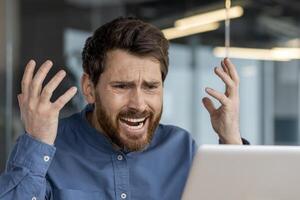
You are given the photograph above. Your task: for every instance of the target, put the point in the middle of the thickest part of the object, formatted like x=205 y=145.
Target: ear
x=88 y=88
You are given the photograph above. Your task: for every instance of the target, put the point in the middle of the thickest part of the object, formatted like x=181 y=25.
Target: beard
x=111 y=129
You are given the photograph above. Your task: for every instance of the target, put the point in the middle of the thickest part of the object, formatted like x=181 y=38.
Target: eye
x=151 y=86
x=121 y=86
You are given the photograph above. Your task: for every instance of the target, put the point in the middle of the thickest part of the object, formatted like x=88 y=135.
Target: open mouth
x=133 y=123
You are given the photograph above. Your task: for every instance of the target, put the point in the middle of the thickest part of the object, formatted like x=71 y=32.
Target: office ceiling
x=265 y=23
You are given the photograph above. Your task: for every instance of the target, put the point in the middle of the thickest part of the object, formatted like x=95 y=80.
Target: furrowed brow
x=152 y=83
x=129 y=83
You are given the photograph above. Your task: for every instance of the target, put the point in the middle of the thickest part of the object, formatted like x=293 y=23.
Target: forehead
x=123 y=65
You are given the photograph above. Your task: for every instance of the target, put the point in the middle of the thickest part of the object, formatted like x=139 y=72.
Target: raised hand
x=225 y=119
x=38 y=113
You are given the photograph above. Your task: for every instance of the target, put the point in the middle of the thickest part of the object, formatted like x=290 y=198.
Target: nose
x=137 y=100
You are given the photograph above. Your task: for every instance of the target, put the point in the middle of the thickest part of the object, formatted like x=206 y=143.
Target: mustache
x=134 y=113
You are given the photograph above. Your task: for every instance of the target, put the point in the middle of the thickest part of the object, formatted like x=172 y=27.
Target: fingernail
x=74 y=88
x=62 y=72
x=208 y=89
x=31 y=62
x=218 y=69
x=49 y=62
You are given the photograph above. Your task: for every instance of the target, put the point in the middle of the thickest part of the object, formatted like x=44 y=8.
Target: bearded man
x=115 y=148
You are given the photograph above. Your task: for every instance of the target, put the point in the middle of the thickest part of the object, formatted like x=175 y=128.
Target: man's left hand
x=225 y=119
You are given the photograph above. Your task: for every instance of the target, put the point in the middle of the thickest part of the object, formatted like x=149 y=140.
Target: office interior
x=264 y=45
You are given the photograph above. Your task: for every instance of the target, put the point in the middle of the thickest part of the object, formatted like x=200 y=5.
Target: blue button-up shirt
x=84 y=165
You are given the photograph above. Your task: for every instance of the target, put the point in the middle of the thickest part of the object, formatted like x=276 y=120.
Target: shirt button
x=34 y=198
x=46 y=158
x=123 y=195
x=120 y=157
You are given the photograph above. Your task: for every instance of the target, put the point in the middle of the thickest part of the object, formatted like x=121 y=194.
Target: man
x=115 y=148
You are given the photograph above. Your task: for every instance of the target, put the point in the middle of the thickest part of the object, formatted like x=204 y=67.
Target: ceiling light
x=175 y=32
x=209 y=17
x=275 y=54
x=288 y=53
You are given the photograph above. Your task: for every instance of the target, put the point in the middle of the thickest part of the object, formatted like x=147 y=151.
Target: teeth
x=134 y=120
x=134 y=127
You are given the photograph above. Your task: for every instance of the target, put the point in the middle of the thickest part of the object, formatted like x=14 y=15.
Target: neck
x=92 y=119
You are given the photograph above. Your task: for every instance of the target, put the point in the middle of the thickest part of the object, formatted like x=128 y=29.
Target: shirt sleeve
x=245 y=142
x=26 y=169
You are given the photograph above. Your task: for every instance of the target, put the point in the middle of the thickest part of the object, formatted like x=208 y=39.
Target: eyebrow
x=155 y=83
x=151 y=83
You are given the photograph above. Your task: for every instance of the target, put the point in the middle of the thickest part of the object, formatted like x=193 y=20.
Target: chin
x=134 y=144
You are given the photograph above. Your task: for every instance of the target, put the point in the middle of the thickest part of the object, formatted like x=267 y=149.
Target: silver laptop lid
x=230 y=172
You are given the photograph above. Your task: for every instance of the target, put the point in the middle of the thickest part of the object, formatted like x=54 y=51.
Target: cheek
x=114 y=103
x=156 y=102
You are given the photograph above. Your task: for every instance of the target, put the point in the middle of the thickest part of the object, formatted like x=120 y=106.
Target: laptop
x=231 y=172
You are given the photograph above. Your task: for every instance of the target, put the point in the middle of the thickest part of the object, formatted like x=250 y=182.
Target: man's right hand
x=38 y=113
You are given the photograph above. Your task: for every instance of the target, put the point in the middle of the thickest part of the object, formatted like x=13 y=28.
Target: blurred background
x=265 y=35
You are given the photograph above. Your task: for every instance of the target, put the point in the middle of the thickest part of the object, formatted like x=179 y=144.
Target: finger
x=20 y=100
x=52 y=85
x=232 y=70
x=65 y=98
x=39 y=77
x=208 y=104
x=27 y=77
x=224 y=67
x=230 y=85
x=224 y=76
x=217 y=95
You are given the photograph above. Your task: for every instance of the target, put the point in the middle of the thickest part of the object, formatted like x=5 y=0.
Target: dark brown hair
x=129 y=34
